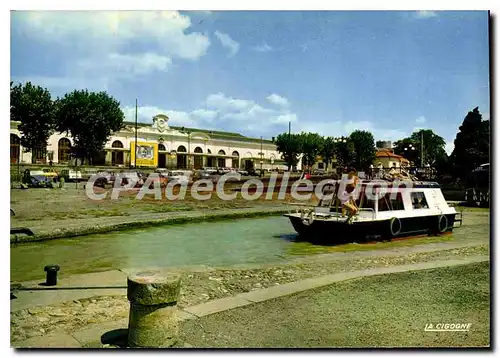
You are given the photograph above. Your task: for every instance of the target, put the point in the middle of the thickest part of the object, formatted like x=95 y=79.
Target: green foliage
x=433 y=149
x=408 y=148
x=433 y=145
x=328 y=150
x=363 y=144
x=289 y=145
x=472 y=144
x=311 y=144
x=33 y=107
x=90 y=118
x=344 y=153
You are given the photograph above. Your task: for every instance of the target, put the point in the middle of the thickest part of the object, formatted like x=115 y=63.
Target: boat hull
x=339 y=232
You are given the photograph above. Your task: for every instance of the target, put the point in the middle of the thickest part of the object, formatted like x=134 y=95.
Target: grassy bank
x=382 y=311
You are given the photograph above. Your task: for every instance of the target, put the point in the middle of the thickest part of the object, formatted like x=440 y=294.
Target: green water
x=220 y=243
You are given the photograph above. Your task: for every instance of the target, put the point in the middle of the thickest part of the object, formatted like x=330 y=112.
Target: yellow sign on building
x=146 y=154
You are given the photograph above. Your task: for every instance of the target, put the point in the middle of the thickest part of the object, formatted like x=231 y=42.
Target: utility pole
x=261 y=156
x=289 y=136
x=421 y=148
x=135 y=147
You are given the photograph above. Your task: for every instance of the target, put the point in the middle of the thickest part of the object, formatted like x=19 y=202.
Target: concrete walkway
x=90 y=336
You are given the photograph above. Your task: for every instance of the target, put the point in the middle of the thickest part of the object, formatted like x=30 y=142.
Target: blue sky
x=252 y=72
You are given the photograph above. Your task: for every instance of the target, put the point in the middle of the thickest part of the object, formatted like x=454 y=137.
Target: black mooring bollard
x=51 y=274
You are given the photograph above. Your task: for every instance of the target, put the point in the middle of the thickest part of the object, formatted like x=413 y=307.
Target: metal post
x=135 y=147
x=261 y=156
x=189 y=151
x=421 y=149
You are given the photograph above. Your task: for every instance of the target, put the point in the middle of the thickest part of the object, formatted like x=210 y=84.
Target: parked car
x=203 y=174
x=51 y=173
x=179 y=177
x=136 y=176
x=210 y=170
x=40 y=181
x=243 y=172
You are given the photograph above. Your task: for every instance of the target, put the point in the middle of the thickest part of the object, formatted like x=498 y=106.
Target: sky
x=253 y=72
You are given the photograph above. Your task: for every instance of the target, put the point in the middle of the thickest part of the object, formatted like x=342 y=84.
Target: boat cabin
x=383 y=200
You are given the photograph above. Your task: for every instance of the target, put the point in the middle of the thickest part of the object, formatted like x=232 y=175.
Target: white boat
x=401 y=211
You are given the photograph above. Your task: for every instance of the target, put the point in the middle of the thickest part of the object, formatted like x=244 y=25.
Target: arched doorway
x=63 y=150
x=198 y=159
x=248 y=162
x=15 y=148
x=221 y=162
x=162 y=156
x=211 y=163
x=181 y=157
x=236 y=161
x=117 y=155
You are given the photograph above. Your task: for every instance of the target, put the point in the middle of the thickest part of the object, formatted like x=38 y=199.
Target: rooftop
x=216 y=134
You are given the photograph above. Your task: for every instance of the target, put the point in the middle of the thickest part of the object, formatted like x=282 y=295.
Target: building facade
x=175 y=148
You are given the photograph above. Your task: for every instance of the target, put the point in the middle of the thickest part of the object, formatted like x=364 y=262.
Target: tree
x=472 y=144
x=90 y=118
x=289 y=145
x=433 y=146
x=33 y=107
x=328 y=150
x=409 y=149
x=344 y=152
x=311 y=144
x=364 y=149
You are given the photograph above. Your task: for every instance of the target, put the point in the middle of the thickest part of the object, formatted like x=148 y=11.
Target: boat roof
x=415 y=184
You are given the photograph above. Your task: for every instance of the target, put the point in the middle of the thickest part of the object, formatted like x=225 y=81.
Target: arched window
x=221 y=152
x=161 y=147
x=117 y=156
x=235 y=161
x=182 y=149
x=117 y=144
x=15 y=148
x=63 y=150
x=198 y=150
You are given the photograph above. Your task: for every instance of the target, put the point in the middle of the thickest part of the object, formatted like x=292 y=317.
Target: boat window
x=384 y=203
x=397 y=202
x=418 y=200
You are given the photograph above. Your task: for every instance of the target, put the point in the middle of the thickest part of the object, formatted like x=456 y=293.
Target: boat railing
x=297 y=208
x=367 y=209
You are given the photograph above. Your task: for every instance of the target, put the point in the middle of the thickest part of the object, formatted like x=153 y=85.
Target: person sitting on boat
x=347 y=200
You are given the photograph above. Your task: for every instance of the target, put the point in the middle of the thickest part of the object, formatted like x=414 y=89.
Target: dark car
x=40 y=181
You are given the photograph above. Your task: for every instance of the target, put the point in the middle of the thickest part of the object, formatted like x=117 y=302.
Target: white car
x=179 y=176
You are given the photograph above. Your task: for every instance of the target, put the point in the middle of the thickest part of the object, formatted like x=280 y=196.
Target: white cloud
x=128 y=64
x=449 y=147
x=228 y=42
x=112 y=29
x=425 y=14
x=420 y=120
x=222 y=102
x=263 y=48
x=223 y=112
x=204 y=114
x=284 y=118
x=97 y=44
x=278 y=100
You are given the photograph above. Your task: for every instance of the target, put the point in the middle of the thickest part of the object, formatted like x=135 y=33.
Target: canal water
x=220 y=243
